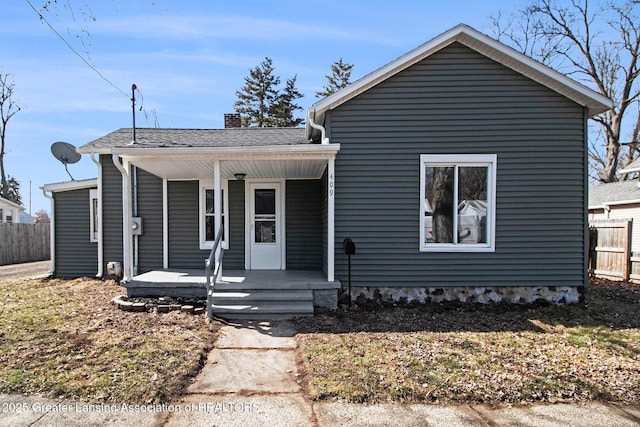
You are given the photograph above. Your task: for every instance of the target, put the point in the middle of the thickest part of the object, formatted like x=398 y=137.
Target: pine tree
x=11 y=190
x=256 y=97
x=339 y=78
x=262 y=104
x=285 y=106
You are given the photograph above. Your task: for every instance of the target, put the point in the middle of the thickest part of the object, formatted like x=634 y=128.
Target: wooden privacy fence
x=610 y=248
x=24 y=243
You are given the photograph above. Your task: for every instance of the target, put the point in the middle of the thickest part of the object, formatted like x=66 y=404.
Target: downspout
x=100 y=271
x=52 y=232
x=323 y=139
x=134 y=174
x=126 y=217
x=331 y=188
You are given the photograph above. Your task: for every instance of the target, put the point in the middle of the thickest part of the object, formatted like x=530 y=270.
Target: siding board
x=184 y=238
x=111 y=212
x=150 y=210
x=460 y=102
x=234 y=256
x=304 y=224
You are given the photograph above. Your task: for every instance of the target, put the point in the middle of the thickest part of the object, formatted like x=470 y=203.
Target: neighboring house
x=611 y=206
x=459 y=171
x=10 y=212
x=25 y=218
x=617 y=200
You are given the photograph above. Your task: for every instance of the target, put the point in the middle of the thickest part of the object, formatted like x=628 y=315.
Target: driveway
x=24 y=271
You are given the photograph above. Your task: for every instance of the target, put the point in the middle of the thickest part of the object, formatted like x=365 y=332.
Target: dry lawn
x=478 y=354
x=64 y=339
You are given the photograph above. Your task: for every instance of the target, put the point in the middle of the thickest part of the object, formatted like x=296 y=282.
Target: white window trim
x=207 y=184
x=489 y=160
x=93 y=231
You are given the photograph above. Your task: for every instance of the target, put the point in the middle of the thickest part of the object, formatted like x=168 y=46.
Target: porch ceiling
x=202 y=168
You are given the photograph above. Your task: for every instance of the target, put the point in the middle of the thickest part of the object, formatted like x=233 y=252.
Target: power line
x=43 y=19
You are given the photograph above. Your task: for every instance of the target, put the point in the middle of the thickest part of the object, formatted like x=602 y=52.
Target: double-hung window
x=457 y=206
x=207 y=215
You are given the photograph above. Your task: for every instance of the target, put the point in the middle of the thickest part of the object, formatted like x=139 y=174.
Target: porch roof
x=167 y=138
x=259 y=153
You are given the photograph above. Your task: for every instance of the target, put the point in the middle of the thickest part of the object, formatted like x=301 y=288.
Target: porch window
x=457 y=203
x=207 y=216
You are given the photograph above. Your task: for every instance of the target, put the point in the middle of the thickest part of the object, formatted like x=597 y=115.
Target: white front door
x=265 y=226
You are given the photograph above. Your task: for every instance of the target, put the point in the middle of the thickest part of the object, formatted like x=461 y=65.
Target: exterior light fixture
x=240 y=176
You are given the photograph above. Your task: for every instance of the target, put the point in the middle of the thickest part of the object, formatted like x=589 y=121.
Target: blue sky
x=187 y=58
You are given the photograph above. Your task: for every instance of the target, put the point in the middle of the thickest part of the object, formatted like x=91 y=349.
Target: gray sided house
x=459 y=171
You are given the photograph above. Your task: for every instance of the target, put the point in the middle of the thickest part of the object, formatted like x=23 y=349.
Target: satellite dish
x=66 y=153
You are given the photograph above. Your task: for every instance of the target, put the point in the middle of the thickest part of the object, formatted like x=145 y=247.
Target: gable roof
x=147 y=138
x=615 y=193
x=483 y=44
x=10 y=203
x=634 y=166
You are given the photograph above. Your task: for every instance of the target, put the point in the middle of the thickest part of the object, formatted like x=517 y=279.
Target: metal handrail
x=212 y=258
x=216 y=262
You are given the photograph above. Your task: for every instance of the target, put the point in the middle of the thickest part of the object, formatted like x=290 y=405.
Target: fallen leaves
x=478 y=354
x=64 y=338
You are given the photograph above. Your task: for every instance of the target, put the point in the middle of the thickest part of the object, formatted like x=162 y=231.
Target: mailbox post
x=349 y=249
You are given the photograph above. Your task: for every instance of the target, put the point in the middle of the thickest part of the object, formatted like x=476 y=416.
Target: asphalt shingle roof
x=163 y=137
x=614 y=192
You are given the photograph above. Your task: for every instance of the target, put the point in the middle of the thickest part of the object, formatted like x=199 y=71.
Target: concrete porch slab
x=247 y=371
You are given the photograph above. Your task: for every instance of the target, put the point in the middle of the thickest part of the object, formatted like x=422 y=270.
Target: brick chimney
x=232 y=120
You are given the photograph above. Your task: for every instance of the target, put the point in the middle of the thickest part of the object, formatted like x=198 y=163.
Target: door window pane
x=265 y=202
x=265 y=231
x=265 y=215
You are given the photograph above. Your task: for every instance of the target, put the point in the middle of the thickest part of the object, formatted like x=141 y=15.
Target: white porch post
x=165 y=223
x=331 y=194
x=217 y=202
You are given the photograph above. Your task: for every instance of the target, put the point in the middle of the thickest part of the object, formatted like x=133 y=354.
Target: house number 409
x=331 y=185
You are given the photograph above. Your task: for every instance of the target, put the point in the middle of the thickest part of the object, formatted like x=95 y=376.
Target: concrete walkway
x=251 y=379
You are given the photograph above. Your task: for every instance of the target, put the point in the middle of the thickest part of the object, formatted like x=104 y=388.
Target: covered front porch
x=252 y=294
x=267 y=195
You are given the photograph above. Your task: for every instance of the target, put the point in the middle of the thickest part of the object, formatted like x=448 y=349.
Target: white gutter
x=323 y=139
x=126 y=217
x=100 y=271
x=223 y=153
x=616 y=203
x=52 y=232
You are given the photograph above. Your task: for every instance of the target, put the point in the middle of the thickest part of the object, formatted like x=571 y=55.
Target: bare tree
x=8 y=108
x=599 y=45
x=42 y=217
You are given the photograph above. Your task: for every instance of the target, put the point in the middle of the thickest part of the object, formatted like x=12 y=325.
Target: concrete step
x=273 y=311
x=262 y=295
x=261 y=304
x=271 y=286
